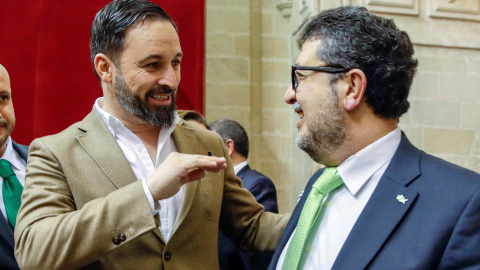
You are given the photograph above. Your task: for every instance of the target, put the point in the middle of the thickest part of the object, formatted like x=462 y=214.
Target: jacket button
x=168 y=256
x=123 y=237
x=116 y=241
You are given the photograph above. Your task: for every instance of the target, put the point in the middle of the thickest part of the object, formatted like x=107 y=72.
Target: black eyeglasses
x=323 y=69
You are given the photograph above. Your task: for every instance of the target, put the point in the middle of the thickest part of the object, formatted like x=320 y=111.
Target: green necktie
x=11 y=190
x=328 y=181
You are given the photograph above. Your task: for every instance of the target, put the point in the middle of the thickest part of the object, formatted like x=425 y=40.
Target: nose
x=290 y=96
x=169 y=78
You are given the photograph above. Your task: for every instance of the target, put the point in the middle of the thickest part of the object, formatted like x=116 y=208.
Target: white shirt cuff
x=154 y=205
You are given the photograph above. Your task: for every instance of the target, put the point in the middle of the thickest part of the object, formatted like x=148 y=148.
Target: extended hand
x=179 y=169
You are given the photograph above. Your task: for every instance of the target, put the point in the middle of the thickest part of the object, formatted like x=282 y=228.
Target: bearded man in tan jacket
x=131 y=186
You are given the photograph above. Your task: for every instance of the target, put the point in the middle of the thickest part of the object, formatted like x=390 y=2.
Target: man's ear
x=357 y=83
x=104 y=67
x=231 y=146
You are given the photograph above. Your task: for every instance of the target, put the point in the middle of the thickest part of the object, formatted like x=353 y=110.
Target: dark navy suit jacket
x=7 y=242
x=437 y=228
x=265 y=193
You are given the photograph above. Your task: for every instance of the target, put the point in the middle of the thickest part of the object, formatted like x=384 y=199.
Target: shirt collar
x=357 y=169
x=10 y=154
x=115 y=126
x=240 y=166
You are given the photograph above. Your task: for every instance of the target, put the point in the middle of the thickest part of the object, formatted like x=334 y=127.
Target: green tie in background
x=11 y=190
x=328 y=181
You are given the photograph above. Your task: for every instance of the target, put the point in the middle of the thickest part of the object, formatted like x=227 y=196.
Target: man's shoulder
x=250 y=173
x=70 y=134
x=438 y=168
x=409 y=161
x=202 y=134
x=253 y=178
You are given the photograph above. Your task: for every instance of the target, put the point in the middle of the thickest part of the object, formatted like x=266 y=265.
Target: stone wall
x=250 y=45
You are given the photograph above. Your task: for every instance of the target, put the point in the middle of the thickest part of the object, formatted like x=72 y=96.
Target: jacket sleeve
x=463 y=249
x=243 y=219
x=53 y=233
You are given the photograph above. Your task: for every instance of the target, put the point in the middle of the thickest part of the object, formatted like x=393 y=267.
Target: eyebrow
x=157 y=56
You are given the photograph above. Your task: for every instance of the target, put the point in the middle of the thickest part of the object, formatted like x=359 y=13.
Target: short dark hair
x=229 y=129
x=351 y=37
x=111 y=23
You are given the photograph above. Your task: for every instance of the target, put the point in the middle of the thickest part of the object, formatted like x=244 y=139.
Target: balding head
x=7 y=115
x=4 y=74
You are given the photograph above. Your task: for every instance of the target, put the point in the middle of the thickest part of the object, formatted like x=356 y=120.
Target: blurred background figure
x=236 y=140
x=193 y=117
x=12 y=173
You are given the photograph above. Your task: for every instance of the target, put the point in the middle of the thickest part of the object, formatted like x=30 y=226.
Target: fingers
x=179 y=169
x=193 y=175
x=209 y=163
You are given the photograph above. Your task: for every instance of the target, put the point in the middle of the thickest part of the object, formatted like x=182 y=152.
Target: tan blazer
x=81 y=193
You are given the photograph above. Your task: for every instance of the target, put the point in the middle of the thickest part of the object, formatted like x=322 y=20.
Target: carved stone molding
x=455 y=9
x=285 y=7
x=407 y=7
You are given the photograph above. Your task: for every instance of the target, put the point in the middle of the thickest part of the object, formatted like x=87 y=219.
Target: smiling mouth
x=161 y=97
x=298 y=110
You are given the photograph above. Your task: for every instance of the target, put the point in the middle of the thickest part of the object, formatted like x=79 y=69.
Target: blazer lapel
x=292 y=223
x=22 y=150
x=242 y=172
x=186 y=142
x=383 y=211
x=6 y=232
x=99 y=143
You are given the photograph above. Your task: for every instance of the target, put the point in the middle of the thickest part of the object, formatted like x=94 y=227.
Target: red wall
x=44 y=44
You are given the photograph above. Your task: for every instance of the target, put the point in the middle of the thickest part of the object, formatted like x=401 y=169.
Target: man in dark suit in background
x=12 y=173
x=380 y=203
x=236 y=140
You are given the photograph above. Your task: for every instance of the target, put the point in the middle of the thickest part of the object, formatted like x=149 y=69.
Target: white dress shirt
x=142 y=165
x=18 y=166
x=342 y=207
x=240 y=166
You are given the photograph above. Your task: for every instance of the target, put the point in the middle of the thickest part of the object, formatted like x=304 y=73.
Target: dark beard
x=159 y=116
x=326 y=133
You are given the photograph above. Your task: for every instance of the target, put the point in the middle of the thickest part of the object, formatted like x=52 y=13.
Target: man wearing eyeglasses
x=380 y=203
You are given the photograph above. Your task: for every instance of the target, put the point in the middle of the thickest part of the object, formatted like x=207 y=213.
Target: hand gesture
x=179 y=169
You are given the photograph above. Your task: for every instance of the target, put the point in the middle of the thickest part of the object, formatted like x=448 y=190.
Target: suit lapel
x=383 y=211
x=186 y=142
x=5 y=231
x=22 y=150
x=292 y=223
x=243 y=171
x=99 y=143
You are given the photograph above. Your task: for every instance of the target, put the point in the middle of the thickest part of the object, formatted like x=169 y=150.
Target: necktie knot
x=328 y=181
x=6 y=169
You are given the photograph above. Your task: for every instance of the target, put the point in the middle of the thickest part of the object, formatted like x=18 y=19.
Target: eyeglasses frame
x=313 y=68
